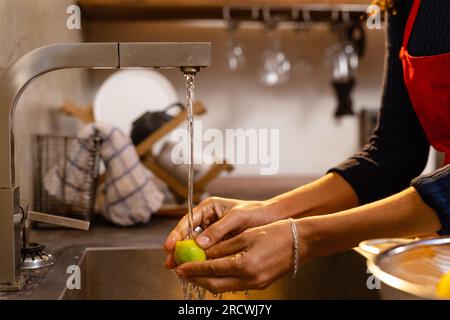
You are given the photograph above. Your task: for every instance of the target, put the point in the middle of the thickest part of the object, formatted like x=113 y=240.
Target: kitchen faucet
x=188 y=56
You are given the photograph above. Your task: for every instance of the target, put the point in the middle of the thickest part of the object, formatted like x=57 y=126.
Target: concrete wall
x=25 y=25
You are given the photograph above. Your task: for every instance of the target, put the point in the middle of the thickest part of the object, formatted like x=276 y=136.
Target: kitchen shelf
x=211 y=9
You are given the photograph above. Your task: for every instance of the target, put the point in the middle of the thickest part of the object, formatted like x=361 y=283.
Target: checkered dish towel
x=130 y=193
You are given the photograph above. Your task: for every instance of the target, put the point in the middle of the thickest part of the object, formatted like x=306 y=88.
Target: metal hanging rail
x=312 y=12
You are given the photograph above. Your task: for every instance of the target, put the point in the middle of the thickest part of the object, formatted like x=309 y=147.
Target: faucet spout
x=190 y=70
x=164 y=54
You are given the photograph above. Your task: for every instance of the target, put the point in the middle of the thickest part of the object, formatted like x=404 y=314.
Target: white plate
x=127 y=94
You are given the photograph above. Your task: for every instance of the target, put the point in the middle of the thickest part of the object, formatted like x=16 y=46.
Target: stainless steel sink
x=139 y=273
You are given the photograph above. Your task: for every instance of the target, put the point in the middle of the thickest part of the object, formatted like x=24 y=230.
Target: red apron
x=428 y=82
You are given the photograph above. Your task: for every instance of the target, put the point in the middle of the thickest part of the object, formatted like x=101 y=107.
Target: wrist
x=282 y=207
x=278 y=208
x=307 y=238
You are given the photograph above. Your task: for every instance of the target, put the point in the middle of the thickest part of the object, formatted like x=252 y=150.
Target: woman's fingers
x=170 y=261
x=222 y=249
x=217 y=285
x=227 y=247
x=222 y=267
x=202 y=212
x=178 y=233
x=215 y=232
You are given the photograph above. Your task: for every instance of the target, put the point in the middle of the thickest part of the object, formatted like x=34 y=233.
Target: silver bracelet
x=295 y=247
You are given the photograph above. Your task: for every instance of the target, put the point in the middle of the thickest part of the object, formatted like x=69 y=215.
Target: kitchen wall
x=25 y=25
x=311 y=139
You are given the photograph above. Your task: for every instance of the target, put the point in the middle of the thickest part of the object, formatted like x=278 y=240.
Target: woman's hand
x=219 y=217
x=252 y=260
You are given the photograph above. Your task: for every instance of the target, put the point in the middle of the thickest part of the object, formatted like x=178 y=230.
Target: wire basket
x=54 y=153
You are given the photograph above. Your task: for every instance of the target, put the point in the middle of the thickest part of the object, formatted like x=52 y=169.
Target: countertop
x=104 y=234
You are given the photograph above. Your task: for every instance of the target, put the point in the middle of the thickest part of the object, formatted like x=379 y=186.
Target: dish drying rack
x=145 y=151
x=52 y=151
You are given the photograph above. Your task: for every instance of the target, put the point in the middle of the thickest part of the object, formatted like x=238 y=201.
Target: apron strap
x=410 y=23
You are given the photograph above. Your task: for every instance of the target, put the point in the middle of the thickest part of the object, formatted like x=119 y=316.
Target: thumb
x=216 y=231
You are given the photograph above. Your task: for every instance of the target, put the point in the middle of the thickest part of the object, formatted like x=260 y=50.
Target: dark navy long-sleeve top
x=398 y=150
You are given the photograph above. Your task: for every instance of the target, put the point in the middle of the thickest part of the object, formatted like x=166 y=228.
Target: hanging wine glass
x=343 y=55
x=276 y=65
x=235 y=52
x=303 y=63
x=343 y=59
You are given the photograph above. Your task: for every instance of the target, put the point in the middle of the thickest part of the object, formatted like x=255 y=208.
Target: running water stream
x=191 y=291
x=190 y=85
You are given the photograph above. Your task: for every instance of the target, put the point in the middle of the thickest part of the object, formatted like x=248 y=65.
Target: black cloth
x=398 y=149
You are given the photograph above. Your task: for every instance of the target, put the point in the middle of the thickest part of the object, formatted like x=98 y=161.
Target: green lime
x=188 y=251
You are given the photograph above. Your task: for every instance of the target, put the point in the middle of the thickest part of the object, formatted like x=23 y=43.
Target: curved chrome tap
x=14 y=80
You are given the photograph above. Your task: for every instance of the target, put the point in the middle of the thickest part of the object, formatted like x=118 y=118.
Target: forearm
x=401 y=215
x=329 y=194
